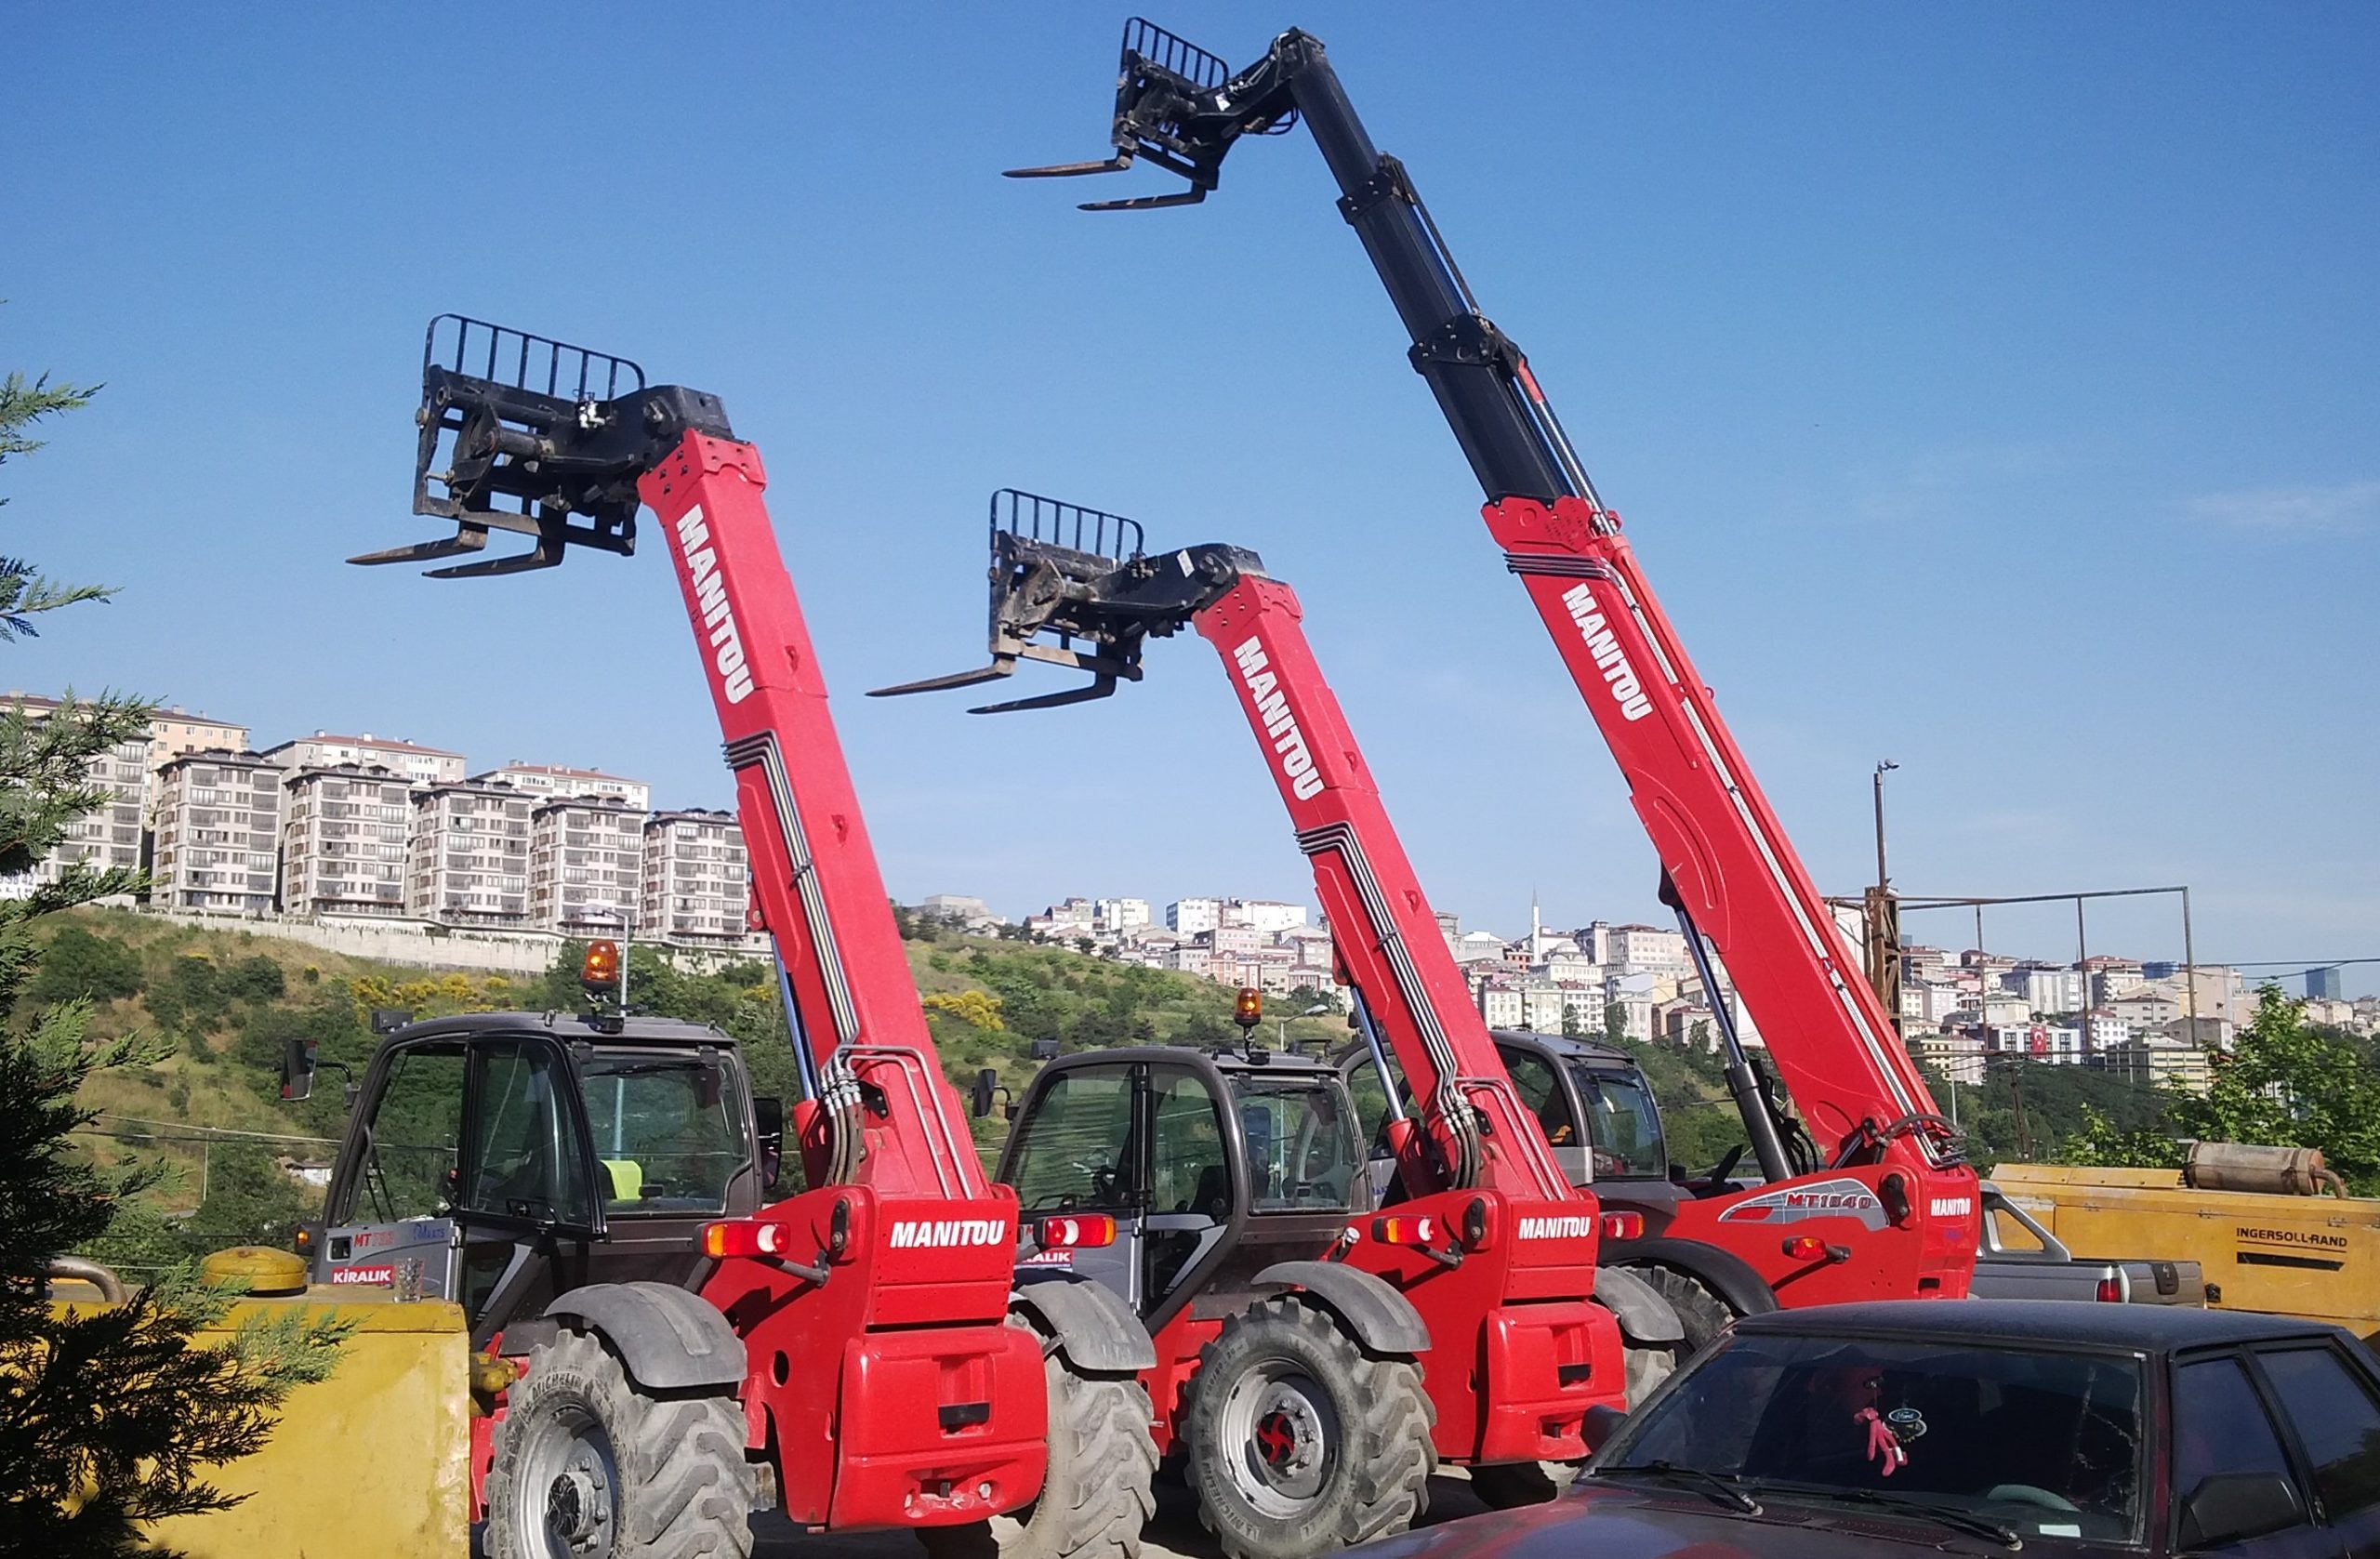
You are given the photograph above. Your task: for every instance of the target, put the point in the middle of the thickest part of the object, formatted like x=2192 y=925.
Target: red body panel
x=1508 y=1323
x=813 y=870
x=1839 y=1054
x=849 y=1379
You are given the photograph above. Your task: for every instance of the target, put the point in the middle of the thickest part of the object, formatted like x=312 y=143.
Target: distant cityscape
x=367 y=830
x=2143 y=1021
x=336 y=828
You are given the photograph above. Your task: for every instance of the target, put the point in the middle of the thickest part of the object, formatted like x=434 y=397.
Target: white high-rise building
x=1189 y=916
x=107 y=838
x=419 y=765
x=218 y=832
x=586 y=865
x=1118 y=916
x=343 y=841
x=549 y=781
x=697 y=880
x=469 y=862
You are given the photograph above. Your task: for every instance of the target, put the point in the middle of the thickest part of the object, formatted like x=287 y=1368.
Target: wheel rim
x=569 y=1487
x=1280 y=1439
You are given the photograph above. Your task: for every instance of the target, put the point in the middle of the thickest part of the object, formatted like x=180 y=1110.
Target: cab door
x=1077 y=1148
x=525 y=1200
x=388 y=1220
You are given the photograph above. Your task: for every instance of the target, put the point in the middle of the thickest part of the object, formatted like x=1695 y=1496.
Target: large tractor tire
x=1700 y=1311
x=1099 y=1491
x=1301 y=1444
x=586 y=1467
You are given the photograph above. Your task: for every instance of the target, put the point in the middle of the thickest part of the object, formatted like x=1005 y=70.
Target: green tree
x=79 y=966
x=1615 y=1024
x=2283 y=1083
x=110 y=1416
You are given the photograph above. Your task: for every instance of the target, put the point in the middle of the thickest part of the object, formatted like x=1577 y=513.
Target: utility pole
x=1882 y=937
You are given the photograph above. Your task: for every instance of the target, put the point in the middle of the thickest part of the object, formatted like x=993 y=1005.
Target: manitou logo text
x=710 y=596
x=1557 y=1228
x=918 y=1234
x=1610 y=658
x=1952 y=1206
x=1280 y=728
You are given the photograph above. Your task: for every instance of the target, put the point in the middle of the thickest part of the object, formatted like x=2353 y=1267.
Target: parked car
x=1988 y=1426
x=2020 y=1260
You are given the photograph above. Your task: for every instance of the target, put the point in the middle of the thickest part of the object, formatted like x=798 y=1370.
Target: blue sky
x=1991 y=389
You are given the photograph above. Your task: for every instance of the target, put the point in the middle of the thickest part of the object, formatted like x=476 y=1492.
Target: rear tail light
x=1405 y=1229
x=1809 y=1247
x=1623 y=1226
x=1075 y=1232
x=2110 y=1290
x=746 y=1238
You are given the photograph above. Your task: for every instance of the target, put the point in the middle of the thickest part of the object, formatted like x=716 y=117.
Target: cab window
x=665 y=1136
x=411 y=1145
x=1301 y=1145
x=525 y=1160
x=1623 y=1123
x=1540 y=1089
x=1189 y=1172
x=1070 y=1145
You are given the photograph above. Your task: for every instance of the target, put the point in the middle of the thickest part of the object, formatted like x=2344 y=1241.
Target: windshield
x=665 y=1133
x=1302 y=1154
x=1623 y=1124
x=2042 y=1444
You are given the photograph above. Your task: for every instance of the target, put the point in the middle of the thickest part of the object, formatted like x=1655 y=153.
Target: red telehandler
x=1480 y=1229
x=1883 y=1203
x=600 y=1191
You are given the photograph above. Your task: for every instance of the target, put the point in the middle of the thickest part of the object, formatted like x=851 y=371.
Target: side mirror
x=1044 y=1049
x=987 y=1083
x=768 y=1137
x=297 y=1069
x=2233 y=1507
x=388 y=1019
x=1599 y=1425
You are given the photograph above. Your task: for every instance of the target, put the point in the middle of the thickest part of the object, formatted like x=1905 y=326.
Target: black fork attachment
x=1181 y=108
x=1054 y=578
x=520 y=433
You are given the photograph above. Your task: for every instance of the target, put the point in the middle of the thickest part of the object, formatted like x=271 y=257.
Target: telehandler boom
x=1882 y=1203
x=1482 y=1231
x=683 y=1320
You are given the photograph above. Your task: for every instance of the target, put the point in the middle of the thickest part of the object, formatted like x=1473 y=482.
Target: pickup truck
x=2020 y=1260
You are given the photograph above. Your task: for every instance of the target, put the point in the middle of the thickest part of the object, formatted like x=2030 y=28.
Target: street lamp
x=1882 y=769
x=1281 y=1024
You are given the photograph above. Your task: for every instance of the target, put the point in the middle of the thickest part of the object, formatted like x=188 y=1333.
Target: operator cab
x=1568 y=1083
x=499 y=1158
x=1160 y=1173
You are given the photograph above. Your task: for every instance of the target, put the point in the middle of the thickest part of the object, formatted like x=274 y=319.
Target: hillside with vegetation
x=228 y=1000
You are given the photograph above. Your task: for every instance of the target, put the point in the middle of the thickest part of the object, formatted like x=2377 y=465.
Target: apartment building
x=586 y=865
x=173 y=732
x=696 y=883
x=218 y=832
x=419 y=765
x=1122 y=915
x=1189 y=916
x=343 y=840
x=549 y=781
x=110 y=837
x=467 y=862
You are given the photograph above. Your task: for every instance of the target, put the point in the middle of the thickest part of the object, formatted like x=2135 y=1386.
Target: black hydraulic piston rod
x=1743 y=1078
x=1479 y=377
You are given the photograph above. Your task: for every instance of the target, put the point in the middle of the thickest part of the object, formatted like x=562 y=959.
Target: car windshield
x=665 y=1133
x=1623 y=1125
x=1302 y=1155
x=2042 y=1444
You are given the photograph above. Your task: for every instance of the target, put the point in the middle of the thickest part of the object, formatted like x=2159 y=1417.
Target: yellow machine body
x=2314 y=1257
